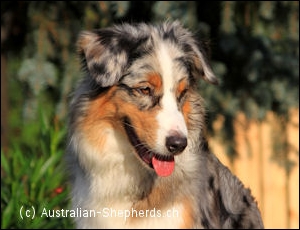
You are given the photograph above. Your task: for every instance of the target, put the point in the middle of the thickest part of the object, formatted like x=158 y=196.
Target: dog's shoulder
x=233 y=205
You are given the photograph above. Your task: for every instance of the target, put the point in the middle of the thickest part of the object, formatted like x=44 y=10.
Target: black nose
x=176 y=144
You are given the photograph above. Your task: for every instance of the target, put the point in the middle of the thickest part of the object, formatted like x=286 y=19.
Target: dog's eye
x=183 y=93
x=146 y=91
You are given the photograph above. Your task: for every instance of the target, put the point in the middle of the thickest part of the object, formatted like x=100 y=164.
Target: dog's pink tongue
x=163 y=167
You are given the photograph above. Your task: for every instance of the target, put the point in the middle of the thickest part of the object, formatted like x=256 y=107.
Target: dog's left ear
x=101 y=56
x=200 y=64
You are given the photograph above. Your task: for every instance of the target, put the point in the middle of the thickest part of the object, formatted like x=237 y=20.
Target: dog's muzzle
x=162 y=164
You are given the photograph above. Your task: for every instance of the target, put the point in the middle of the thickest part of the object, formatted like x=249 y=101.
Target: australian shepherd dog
x=137 y=151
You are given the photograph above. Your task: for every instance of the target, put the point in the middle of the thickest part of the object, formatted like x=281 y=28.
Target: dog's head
x=150 y=73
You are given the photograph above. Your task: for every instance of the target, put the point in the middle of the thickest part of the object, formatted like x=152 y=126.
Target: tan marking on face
x=186 y=110
x=183 y=84
x=108 y=111
x=100 y=117
x=186 y=107
x=143 y=122
x=155 y=80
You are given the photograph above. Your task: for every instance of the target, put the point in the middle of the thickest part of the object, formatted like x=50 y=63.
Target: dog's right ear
x=101 y=57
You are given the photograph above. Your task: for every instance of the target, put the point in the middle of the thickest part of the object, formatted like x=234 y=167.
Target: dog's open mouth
x=163 y=165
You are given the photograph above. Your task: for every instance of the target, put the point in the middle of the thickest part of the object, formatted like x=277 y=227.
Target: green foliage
x=255 y=54
x=166 y=10
x=35 y=177
x=259 y=51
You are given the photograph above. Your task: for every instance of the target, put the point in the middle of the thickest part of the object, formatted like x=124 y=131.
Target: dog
x=137 y=152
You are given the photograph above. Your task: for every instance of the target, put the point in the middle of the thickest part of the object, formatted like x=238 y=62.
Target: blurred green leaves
x=254 y=53
x=32 y=177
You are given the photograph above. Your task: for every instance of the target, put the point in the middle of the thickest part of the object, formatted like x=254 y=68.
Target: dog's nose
x=176 y=143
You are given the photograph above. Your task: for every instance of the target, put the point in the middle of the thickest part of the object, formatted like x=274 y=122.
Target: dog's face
x=147 y=75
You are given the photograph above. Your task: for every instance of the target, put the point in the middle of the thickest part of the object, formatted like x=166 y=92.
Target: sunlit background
x=252 y=116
